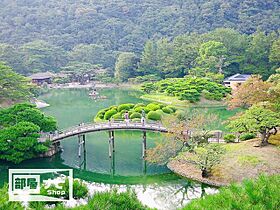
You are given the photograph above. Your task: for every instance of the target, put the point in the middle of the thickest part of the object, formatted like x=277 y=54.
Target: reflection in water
x=171 y=195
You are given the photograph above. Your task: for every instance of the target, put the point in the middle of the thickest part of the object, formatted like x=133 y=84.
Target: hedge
x=109 y=114
x=123 y=107
x=247 y=136
x=135 y=115
x=167 y=110
x=229 y=138
x=153 y=115
x=153 y=111
x=153 y=106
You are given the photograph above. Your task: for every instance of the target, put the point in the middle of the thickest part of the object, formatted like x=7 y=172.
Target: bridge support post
x=79 y=145
x=84 y=143
x=113 y=140
x=144 y=144
x=110 y=144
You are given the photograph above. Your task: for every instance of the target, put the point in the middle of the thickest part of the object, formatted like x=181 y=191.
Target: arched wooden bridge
x=106 y=126
x=111 y=126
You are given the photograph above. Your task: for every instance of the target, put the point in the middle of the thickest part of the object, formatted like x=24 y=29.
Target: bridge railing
x=108 y=124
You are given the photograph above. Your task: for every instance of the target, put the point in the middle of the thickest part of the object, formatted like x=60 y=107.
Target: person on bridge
x=143 y=117
x=126 y=117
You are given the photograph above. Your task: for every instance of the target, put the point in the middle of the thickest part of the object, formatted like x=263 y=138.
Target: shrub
x=109 y=114
x=247 y=136
x=171 y=107
x=167 y=110
x=117 y=116
x=139 y=105
x=153 y=115
x=147 y=110
x=160 y=112
x=262 y=193
x=115 y=200
x=191 y=95
x=135 y=115
x=139 y=109
x=229 y=138
x=161 y=105
x=113 y=107
x=153 y=106
x=130 y=105
x=101 y=113
x=123 y=107
x=80 y=190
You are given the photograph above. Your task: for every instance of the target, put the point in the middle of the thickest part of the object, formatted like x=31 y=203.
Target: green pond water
x=155 y=185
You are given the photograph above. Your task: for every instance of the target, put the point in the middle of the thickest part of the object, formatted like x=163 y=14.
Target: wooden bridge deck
x=107 y=126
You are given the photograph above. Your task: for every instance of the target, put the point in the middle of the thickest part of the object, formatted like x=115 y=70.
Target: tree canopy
x=25 y=112
x=165 y=37
x=257 y=119
x=13 y=86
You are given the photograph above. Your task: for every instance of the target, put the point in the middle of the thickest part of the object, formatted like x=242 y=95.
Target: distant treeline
x=125 y=25
x=215 y=54
x=41 y=35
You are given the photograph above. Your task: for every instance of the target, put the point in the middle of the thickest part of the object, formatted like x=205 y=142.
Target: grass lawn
x=241 y=161
x=170 y=100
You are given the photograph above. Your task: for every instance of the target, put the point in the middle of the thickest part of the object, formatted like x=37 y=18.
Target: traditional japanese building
x=235 y=80
x=42 y=77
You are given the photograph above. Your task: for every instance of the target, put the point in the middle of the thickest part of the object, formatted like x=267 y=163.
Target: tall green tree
x=274 y=56
x=13 y=86
x=19 y=142
x=257 y=54
x=25 y=112
x=257 y=119
x=41 y=56
x=185 y=51
x=126 y=66
x=93 y=54
x=212 y=56
x=12 y=57
x=236 y=44
x=149 y=60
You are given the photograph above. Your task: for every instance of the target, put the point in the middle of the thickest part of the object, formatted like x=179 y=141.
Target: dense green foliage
x=247 y=136
x=19 y=142
x=125 y=66
x=124 y=25
x=19 y=132
x=229 y=138
x=13 y=86
x=25 y=112
x=205 y=156
x=41 y=36
x=189 y=88
x=113 y=200
x=215 y=54
x=257 y=119
x=153 y=111
x=101 y=200
x=262 y=193
x=4 y=200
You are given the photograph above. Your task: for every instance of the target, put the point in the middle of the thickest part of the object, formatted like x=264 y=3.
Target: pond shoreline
x=241 y=161
x=183 y=169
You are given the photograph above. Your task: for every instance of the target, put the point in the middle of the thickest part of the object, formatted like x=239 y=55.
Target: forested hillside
x=40 y=35
x=125 y=25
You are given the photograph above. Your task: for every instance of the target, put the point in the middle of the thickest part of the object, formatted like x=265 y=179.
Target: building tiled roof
x=41 y=75
x=237 y=77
